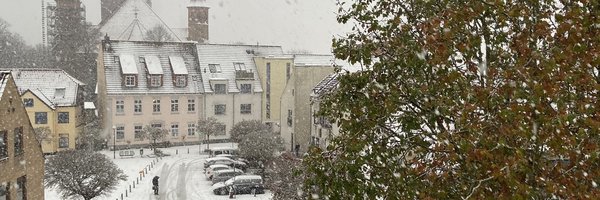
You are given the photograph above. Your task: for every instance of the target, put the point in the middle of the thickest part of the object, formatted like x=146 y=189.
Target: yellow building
x=21 y=158
x=53 y=100
x=288 y=81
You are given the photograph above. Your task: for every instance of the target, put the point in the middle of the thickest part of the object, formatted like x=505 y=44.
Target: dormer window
x=129 y=70
x=142 y=59
x=179 y=70
x=130 y=81
x=214 y=68
x=155 y=71
x=239 y=66
x=220 y=88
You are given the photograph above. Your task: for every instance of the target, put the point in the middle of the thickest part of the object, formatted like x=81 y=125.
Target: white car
x=212 y=161
x=211 y=169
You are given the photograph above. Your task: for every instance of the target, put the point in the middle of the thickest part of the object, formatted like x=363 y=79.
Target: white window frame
x=174 y=105
x=130 y=81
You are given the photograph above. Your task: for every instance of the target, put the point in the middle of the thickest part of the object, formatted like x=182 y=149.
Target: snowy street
x=179 y=169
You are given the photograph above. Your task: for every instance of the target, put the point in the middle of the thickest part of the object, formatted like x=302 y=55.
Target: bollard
x=130 y=187
x=121 y=196
x=126 y=193
x=176 y=151
x=188 y=150
x=146 y=168
x=137 y=180
x=133 y=184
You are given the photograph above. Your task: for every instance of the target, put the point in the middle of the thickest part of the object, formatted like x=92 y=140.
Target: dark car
x=242 y=184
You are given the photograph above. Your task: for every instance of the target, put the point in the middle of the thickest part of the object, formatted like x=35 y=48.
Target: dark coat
x=155 y=180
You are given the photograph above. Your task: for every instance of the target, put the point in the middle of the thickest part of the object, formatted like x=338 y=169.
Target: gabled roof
x=226 y=55
x=131 y=22
x=161 y=50
x=37 y=93
x=45 y=82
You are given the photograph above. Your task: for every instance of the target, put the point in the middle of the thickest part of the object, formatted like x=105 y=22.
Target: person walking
x=155 y=184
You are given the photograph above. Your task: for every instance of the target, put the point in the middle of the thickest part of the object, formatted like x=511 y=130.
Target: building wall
x=321 y=134
x=305 y=78
x=29 y=164
x=129 y=118
x=278 y=81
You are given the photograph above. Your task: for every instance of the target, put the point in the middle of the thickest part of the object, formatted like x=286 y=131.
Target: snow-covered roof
x=132 y=20
x=326 y=85
x=3 y=81
x=162 y=50
x=153 y=65
x=178 y=65
x=128 y=64
x=53 y=86
x=89 y=105
x=225 y=55
x=313 y=60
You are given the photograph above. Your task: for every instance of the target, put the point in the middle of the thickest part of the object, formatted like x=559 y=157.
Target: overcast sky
x=293 y=24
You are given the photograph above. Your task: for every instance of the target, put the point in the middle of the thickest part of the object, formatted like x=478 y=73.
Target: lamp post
x=114 y=142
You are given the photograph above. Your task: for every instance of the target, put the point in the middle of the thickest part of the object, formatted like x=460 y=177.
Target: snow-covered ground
x=181 y=176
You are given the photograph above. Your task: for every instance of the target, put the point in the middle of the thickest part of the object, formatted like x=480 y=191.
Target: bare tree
x=158 y=34
x=154 y=134
x=82 y=173
x=42 y=133
x=208 y=127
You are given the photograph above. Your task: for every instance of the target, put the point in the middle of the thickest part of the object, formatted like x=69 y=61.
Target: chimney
x=108 y=7
x=198 y=21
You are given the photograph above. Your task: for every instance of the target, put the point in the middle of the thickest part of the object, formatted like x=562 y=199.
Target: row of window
x=137 y=105
x=20 y=189
x=220 y=109
x=18 y=142
x=221 y=88
x=174 y=130
x=42 y=117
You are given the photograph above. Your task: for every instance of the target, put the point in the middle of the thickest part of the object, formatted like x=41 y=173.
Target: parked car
x=242 y=184
x=226 y=174
x=216 y=167
x=212 y=161
x=233 y=157
x=222 y=150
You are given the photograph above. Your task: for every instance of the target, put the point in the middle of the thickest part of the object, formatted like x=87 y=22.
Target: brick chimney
x=198 y=21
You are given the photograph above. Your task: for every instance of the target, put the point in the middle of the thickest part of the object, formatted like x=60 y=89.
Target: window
x=28 y=102
x=156 y=125
x=3 y=145
x=288 y=71
x=245 y=88
x=116 y=59
x=156 y=105
x=180 y=81
x=220 y=129
x=191 y=105
x=130 y=81
x=289 y=118
x=138 y=134
x=214 y=68
x=174 y=130
x=59 y=92
x=63 y=141
x=21 y=188
x=19 y=140
x=120 y=106
x=191 y=128
x=63 y=117
x=174 y=105
x=120 y=132
x=155 y=80
x=239 y=66
x=220 y=88
x=4 y=195
x=137 y=106
x=220 y=109
x=245 y=108
x=41 y=118
x=142 y=59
